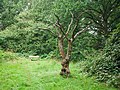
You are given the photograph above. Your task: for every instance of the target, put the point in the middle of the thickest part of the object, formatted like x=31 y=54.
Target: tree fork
x=65 y=63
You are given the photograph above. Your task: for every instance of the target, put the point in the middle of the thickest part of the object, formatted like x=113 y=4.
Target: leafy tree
x=104 y=15
x=8 y=10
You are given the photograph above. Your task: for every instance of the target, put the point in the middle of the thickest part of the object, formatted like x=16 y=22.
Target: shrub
x=27 y=41
x=7 y=56
x=106 y=65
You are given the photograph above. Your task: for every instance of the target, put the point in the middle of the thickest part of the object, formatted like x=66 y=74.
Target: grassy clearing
x=24 y=74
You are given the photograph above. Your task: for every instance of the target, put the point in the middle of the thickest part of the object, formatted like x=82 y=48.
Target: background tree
x=105 y=16
x=8 y=10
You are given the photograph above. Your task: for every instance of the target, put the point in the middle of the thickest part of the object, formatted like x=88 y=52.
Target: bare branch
x=69 y=26
x=60 y=27
x=48 y=29
x=77 y=22
x=79 y=32
x=63 y=32
x=75 y=27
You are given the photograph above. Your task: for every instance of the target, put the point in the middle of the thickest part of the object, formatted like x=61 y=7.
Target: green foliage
x=24 y=37
x=21 y=19
x=7 y=56
x=8 y=10
x=106 y=65
x=104 y=15
x=83 y=46
x=30 y=42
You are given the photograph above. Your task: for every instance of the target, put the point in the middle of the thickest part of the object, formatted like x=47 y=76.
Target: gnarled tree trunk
x=66 y=58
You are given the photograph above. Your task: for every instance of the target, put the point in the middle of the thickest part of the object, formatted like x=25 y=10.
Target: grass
x=24 y=74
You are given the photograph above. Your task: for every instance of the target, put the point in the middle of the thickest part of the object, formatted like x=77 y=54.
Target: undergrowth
x=24 y=74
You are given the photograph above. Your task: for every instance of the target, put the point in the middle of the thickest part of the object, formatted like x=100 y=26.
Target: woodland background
x=97 y=50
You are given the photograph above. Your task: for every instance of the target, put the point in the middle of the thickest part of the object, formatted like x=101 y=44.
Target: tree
x=67 y=27
x=8 y=10
x=104 y=14
x=67 y=35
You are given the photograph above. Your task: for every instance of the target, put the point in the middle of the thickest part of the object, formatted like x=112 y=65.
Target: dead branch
x=78 y=33
x=48 y=29
x=60 y=26
x=69 y=26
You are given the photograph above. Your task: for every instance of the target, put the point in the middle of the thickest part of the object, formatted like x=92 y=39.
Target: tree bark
x=61 y=47
x=65 y=62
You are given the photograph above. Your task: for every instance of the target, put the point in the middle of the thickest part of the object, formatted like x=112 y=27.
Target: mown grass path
x=43 y=75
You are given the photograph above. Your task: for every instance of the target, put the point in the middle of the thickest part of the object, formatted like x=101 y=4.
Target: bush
x=7 y=56
x=25 y=37
x=106 y=65
x=27 y=41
